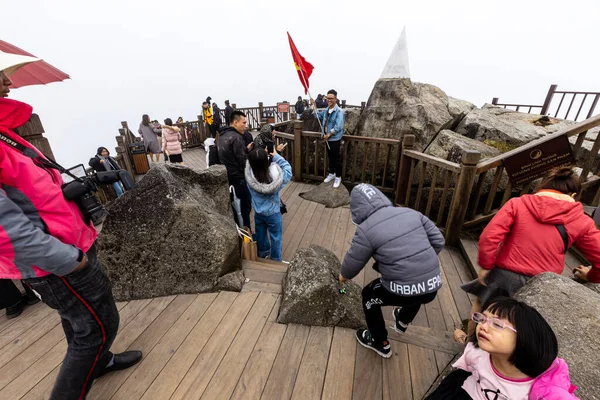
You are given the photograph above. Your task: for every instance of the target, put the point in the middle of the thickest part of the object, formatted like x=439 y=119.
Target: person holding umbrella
x=48 y=244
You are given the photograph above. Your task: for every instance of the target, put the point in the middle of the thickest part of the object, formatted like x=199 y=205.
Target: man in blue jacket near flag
x=332 y=125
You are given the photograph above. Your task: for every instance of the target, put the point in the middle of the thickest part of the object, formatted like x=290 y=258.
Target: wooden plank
x=462 y=301
x=329 y=235
x=200 y=373
x=254 y=377
x=438 y=340
x=339 y=378
x=322 y=228
x=396 y=374
x=292 y=205
x=315 y=222
x=368 y=375
x=449 y=309
x=265 y=265
x=12 y=332
x=32 y=354
x=261 y=287
x=423 y=370
x=47 y=367
x=28 y=338
x=145 y=372
x=463 y=269
x=470 y=251
x=169 y=378
x=429 y=159
x=226 y=377
x=29 y=310
x=282 y=378
x=309 y=383
x=108 y=385
x=259 y=275
x=292 y=237
x=340 y=233
x=437 y=323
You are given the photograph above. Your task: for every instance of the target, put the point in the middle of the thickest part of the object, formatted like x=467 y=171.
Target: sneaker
x=329 y=178
x=366 y=340
x=399 y=327
x=337 y=182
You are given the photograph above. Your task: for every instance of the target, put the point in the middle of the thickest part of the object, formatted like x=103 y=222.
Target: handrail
x=576 y=129
x=356 y=138
x=284 y=135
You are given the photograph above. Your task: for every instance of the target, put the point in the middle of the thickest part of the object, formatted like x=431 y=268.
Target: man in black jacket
x=228 y=111
x=233 y=154
x=217 y=115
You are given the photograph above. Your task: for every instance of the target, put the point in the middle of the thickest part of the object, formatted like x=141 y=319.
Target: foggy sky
x=130 y=57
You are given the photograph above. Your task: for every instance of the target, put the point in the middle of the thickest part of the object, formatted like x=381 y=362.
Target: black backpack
x=213 y=155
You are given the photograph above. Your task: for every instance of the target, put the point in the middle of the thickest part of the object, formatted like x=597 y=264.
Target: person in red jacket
x=530 y=235
x=46 y=241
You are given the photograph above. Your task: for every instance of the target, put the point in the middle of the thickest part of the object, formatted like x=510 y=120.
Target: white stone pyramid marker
x=397 y=65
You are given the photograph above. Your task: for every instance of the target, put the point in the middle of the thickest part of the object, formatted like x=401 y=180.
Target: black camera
x=82 y=190
x=270 y=146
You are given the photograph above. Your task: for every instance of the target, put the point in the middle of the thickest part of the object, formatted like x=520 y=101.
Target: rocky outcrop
x=398 y=107
x=458 y=107
x=500 y=125
x=326 y=194
x=351 y=120
x=174 y=233
x=573 y=311
x=311 y=292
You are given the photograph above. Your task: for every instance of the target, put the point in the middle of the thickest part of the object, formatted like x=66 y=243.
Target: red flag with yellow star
x=303 y=67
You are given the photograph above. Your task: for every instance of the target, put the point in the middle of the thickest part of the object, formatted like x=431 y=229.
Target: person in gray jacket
x=405 y=245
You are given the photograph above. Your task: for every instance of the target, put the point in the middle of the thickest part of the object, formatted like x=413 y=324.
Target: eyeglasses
x=331 y=98
x=495 y=323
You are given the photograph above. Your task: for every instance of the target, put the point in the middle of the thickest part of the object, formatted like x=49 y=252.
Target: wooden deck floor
x=228 y=345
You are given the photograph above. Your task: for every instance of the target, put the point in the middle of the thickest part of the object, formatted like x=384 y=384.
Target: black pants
x=90 y=320
x=242 y=192
x=451 y=387
x=375 y=296
x=213 y=130
x=10 y=295
x=335 y=161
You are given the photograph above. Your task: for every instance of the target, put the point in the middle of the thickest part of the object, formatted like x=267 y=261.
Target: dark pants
x=10 y=295
x=451 y=387
x=213 y=130
x=335 y=161
x=242 y=192
x=375 y=296
x=90 y=320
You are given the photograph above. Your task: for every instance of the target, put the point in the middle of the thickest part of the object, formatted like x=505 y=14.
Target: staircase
x=263 y=275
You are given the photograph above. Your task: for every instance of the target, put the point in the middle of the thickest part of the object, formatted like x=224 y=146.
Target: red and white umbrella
x=24 y=69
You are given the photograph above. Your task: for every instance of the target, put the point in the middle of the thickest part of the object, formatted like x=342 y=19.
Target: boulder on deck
x=173 y=234
x=311 y=292
x=326 y=194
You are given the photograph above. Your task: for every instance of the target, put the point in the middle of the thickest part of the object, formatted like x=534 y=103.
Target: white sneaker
x=329 y=178
x=337 y=182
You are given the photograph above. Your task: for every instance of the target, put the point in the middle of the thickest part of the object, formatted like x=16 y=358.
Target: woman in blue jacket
x=266 y=176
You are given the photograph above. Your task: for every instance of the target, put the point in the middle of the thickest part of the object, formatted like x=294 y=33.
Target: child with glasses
x=513 y=357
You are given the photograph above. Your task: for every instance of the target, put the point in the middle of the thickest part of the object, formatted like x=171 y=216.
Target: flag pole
x=314 y=109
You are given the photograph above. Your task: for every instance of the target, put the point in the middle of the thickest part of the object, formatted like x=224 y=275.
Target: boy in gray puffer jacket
x=405 y=245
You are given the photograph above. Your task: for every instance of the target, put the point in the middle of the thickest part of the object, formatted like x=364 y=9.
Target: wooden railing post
x=363 y=104
x=297 y=165
x=234 y=106
x=261 y=109
x=460 y=200
x=123 y=141
x=33 y=132
x=343 y=103
x=495 y=101
x=403 y=172
x=286 y=116
x=548 y=100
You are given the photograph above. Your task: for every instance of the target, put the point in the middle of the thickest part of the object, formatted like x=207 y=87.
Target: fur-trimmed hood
x=276 y=179
x=173 y=128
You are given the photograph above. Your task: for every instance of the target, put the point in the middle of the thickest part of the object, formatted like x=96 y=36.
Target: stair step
x=262 y=287
x=266 y=265
x=264 y=276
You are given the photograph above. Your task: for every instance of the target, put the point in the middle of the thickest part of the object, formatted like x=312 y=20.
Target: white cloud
x=130 y=57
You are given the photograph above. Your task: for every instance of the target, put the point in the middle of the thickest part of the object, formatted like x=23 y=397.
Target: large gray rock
x=232 y=282
x=173 y=234
x=459 y=107
x=326 y=194
x=586 y=148
x=351 y=120
x=311 y=292
x=398 y=107
x=573 y=312
x=499 y=125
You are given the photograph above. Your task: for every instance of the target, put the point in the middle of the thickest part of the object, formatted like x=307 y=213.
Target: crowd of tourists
x=48 y=242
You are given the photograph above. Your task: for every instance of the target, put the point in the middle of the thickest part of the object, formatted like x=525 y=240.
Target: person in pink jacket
x=171 y=142
x=513 y=356
x=48 y=243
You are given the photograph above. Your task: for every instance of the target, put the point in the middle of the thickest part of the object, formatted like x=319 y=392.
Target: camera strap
x=37 y=160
